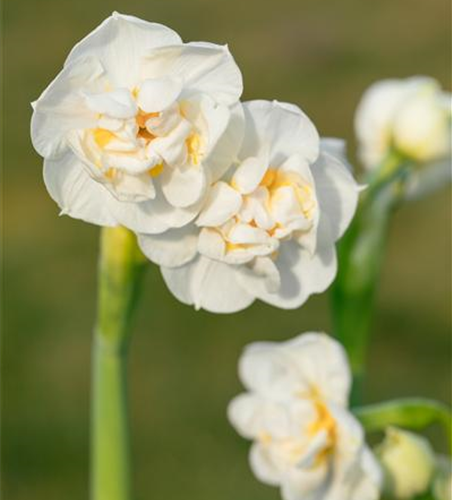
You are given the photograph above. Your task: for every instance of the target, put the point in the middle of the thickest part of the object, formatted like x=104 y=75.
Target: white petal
x=217 y=118
x=119 y=43
x=76 y=193
x=165 y=122
x=282 y=130
x=301 y=275
x=117 y=103
x=302 y=484
x=244 y=413
x=61 y=107
x=422 y=126
x=262 y=465
x=132 y=188
x=172 y=147
x=204 y=68
x=337 y=193
x=172 y=248
x=208 y=285
x=336 y=148
x=222 y=203
x=183 y=187
x=211 y=244
x=322 y=364
x=152 y=216
x=266 y=369
x=284 y=205
x=157 y=94
x=224 y=150
x=249 y=174
x=246 y=234
x=369 y=485
x=263 y=270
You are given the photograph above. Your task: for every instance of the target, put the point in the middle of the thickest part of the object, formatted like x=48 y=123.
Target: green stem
x=120 y=269
x=360 y=255
x=408 y=413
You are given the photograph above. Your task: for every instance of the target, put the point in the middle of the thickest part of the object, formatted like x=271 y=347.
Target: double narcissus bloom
x=305 y=440
x=137 y=125
x=411 y=116
x=267 y=229
x=233 y=202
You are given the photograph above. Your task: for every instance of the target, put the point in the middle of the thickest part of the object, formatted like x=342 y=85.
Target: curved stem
x=120 y=270
x=409 y=413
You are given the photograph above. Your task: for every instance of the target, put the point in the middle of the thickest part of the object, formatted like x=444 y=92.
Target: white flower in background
x=411 y=116
x=408 y=462
x=305 y=439
x=137 y=125
x=268 y=227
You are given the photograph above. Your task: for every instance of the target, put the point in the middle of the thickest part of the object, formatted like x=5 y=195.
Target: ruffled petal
x=61 y=108
x=183 y=187
x=208 y=285
x=263 y=466
x=266 y=369
x=301 y=275
x=226 y=145
x=120 y=43
x=204 y=67
x=284 y=130
x=152 y=216
x=173 y=248
x=322 y=364
x=249 y=174
x=157 y=94
x=337 y=193
x=211 y=244
x=118 y=103
x=77 y=194
x=244 y=413
x=222 y=203
x=309 y=484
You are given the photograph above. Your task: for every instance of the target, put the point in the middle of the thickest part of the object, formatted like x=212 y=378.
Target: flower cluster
x=234 y=202
x=296 y=412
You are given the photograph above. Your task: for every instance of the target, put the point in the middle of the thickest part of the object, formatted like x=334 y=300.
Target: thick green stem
x=360 y=253
x=120 y=269
x=360 y=256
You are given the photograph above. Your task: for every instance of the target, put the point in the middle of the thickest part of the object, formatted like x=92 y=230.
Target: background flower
x=295 y=411
x=137 y=125
x=411 y=116
x=268 y=228
x=408 y=462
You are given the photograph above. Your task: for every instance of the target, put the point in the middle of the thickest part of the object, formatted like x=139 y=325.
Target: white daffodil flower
x=295 y=411
x=411 y=116
x=137 y=125
x=268 y=227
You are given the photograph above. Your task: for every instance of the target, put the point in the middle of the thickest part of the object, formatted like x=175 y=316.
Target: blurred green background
x=319 y=54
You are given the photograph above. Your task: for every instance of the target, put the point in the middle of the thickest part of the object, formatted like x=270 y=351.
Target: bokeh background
x=319 y=54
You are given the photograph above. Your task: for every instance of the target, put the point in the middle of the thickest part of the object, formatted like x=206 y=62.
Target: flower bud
x=408 y=463
x=411 y=117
